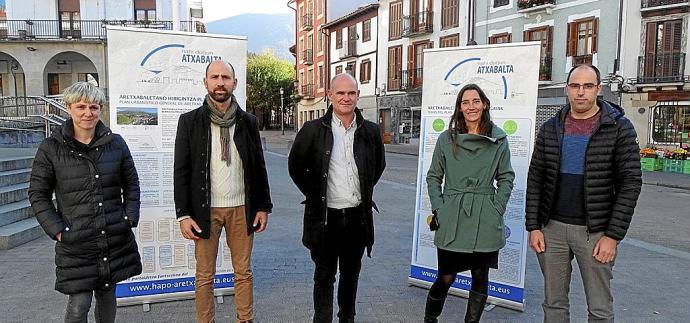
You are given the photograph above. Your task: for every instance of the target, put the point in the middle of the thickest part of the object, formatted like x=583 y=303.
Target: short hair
x=83 y=92
x=592 y=67
x=341 y=75
x=232 y=68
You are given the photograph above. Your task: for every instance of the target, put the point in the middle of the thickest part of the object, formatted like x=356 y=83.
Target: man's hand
x=58 y=237
x=605 y=249
x=186 y=226
x=260 y=221
x=536 y=241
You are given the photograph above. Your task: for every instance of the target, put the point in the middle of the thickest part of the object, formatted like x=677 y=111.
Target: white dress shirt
x=343 y=177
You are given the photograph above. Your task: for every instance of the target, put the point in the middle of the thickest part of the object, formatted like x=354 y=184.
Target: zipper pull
x=587 y=235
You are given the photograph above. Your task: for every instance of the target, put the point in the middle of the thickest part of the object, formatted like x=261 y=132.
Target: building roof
x=363 y=10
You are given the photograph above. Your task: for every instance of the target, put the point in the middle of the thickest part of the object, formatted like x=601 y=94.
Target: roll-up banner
x=153 y=77
x=508 y=73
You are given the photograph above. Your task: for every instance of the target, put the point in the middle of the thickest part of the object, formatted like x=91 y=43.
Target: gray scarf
x=225 y=120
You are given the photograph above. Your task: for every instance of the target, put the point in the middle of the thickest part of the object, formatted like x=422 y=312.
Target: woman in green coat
x=468 y=159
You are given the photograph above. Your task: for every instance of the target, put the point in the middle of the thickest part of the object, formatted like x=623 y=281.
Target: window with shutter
x=450 y=41
x=394 y=67
x=395 y=21
x=545 y=36
x=500 y=38
x=339 y=38
x=582 y=40
x=450 y=11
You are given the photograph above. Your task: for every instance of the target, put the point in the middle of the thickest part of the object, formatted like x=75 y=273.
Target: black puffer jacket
x=97 y=247
x=612 y=179
x=308 y=166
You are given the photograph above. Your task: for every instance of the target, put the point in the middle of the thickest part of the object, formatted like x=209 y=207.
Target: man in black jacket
x=221 y=182
x=583 y=184
x=336 y=161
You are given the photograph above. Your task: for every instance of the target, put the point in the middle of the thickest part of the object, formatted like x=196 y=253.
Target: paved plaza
x=650 y=277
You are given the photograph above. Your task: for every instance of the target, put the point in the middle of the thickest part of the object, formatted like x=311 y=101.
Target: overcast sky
x=219 y=9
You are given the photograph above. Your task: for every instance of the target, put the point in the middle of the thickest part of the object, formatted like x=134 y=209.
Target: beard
x=220 y=97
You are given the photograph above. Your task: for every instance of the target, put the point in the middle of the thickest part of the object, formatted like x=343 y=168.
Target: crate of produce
x=673 y=165
x=686 y=166
x=650 y=164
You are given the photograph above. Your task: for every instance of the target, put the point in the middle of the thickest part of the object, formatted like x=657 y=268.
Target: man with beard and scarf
x=220 y=182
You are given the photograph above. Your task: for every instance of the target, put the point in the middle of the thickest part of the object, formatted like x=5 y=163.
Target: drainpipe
x=616 y=64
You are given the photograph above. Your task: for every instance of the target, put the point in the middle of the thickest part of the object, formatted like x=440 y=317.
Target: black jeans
x=343 y=250
x=79 y=304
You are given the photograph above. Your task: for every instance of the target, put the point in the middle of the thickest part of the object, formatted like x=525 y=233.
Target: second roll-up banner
x=154 y=76
x=508 y=73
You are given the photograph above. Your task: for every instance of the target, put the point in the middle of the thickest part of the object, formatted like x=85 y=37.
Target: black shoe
x=434 y=307
x=475 y=307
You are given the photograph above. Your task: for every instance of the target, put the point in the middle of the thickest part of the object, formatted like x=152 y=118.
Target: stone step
x=13 y=212
x=13 y=163
x=13 y=193
x=18 y=233
x=17 y=176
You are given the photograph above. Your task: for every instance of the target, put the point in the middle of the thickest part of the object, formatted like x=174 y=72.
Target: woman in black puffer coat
x=96 y=187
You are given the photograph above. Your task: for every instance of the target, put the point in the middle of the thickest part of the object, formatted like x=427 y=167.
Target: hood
x=472 y=143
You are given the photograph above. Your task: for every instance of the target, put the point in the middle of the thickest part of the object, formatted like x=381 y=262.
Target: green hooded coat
x=470 y=208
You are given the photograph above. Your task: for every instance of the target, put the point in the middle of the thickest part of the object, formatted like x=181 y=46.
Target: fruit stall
x=667 y=160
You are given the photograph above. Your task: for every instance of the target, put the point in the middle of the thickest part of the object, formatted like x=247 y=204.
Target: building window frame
x=450 y=41
x=394 y=69
x=582 y=47
x=450 y=12
x=339 y=38
x=501 y=38
x=365 y=71
x=366 y=30
x=395 y=20
x=668 y=122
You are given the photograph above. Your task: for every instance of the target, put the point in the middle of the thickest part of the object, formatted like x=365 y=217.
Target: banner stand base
x=520 y=307
x=146 y=301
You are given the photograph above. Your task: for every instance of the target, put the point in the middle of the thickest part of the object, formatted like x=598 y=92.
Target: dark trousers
x=344 y=247
x=78 y=306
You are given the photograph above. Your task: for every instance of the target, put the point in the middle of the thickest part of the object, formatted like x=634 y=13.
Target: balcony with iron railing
x=648 y=5
x=308 y=22
x=545 y=69
x=418 y=24
x=307 y=91
x=307 y=57
x=412 y=79
x=661 y=68
x=81 y=29
x=582 y=59
x=349 y=49
x=525 y=6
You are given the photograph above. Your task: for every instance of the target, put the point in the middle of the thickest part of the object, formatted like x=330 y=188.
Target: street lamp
x=282 y=113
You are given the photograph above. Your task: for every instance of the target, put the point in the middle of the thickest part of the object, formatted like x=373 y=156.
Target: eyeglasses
x=586 y=86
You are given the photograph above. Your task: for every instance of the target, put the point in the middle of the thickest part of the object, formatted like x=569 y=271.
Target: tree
x=266 y=74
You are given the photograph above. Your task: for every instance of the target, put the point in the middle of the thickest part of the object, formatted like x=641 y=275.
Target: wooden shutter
x=571 y=42
x=650 y=49
x=73 y=5
x=549 y=39
x=510 y=38
x=595 y=33
x=411 y=63
x=526 y=35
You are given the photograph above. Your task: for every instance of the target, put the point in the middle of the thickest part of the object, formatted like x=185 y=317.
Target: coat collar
x=610 y=112
x=328 y=117
x=65 y=134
